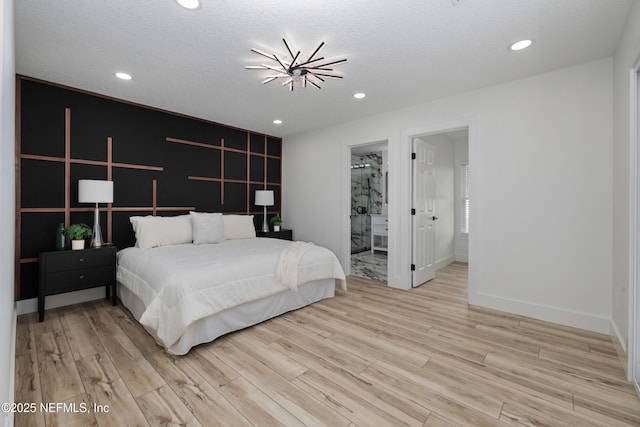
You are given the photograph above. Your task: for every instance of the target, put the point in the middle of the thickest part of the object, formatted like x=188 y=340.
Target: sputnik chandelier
x=297 y=72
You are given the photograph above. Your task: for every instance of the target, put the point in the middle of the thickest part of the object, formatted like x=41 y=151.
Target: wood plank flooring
x=372 y=356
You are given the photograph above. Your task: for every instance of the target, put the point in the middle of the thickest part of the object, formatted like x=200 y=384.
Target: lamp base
x=265 y=225
x=96 y=240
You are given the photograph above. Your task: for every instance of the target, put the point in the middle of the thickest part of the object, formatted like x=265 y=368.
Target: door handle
x=434 y=218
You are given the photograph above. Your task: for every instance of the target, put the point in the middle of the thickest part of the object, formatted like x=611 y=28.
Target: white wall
x=541 y=150
x=461 y=156
x=7 y=202
x=627 y=56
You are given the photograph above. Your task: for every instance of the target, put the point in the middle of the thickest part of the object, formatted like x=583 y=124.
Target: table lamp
x=264 y=198
x=95 y=191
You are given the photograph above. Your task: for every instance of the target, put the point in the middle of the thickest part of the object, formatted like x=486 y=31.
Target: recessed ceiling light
x=189 y=4
x=123 y=76
x=277 y=122
x=522 y=44
x=359 y=95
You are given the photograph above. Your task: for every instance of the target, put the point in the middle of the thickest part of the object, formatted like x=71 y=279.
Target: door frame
x=400 y=215
x=633 y=349
x=346 y=200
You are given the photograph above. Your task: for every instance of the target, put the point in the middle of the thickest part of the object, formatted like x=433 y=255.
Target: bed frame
x=245 y=315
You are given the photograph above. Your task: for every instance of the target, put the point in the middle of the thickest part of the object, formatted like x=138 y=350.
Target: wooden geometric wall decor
x=161 y=163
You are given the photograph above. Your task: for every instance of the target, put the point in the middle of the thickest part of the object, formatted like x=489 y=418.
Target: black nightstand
x=282 y=234
x=66 y=271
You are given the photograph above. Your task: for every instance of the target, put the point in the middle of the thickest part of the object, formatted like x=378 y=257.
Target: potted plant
x=77 y=233
x=276 y=221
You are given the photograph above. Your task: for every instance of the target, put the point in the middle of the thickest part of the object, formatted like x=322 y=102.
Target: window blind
x=464 y=226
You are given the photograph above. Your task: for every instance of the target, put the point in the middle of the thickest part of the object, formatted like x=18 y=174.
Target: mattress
x=178 y=285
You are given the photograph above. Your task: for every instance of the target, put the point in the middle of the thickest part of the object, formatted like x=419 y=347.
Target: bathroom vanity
x=379 y=233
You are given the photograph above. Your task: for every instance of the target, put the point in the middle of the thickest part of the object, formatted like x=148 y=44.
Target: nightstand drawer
x=64 y=281
x=283 y=234
x=67 y=260
x=69 y=270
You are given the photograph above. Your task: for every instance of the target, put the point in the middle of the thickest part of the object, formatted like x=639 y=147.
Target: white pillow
x=238 y=227
x=154 y=231
x=207 y=227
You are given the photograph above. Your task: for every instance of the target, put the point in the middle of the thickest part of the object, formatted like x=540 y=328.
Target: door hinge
x=413 y=211
x=413 y=267
x=413 y=156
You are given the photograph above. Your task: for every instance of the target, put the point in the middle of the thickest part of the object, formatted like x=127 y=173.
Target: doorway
x=368 y=212
x=440 y=202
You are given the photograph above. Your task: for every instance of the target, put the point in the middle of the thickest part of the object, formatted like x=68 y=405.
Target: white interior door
x=423 y=213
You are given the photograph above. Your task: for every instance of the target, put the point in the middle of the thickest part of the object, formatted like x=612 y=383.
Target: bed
x=188 y=293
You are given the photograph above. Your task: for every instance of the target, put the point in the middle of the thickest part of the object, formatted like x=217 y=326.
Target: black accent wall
x=161 y=163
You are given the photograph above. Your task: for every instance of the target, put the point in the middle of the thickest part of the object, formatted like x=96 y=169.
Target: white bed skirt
x=239 y=317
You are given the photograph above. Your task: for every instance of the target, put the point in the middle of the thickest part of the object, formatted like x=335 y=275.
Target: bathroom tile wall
x=367 y=198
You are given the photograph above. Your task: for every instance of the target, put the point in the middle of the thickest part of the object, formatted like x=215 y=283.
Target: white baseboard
x=462 y=257
x=61 y=300
x=444 y=262
x=558 y=315
x=620 y=344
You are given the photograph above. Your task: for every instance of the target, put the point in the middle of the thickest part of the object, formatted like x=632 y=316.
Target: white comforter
x=180 y=284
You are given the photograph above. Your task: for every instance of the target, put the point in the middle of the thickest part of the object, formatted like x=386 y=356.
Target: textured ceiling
x=401 y=53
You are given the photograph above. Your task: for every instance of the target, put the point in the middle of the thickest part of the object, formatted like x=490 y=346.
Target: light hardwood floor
x=372 y=356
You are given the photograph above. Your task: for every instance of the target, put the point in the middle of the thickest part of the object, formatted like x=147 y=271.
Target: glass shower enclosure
x=367 y=181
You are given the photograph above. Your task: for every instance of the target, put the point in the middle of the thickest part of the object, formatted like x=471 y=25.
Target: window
x=464 y=192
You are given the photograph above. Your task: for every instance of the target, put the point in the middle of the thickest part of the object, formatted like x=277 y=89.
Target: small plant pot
x=77 y=244
x=276 y=228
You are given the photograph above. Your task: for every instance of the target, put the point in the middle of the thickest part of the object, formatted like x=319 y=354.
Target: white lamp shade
x=95 y=191
x=264 y=197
